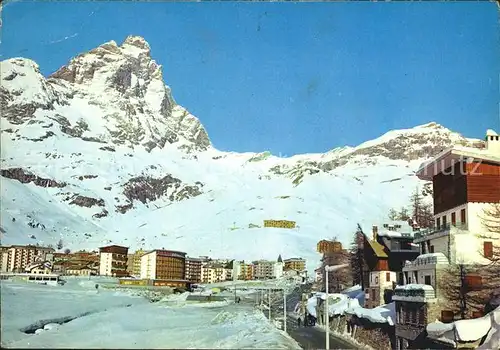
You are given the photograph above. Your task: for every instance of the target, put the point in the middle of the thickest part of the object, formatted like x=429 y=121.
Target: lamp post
x=327 y=314
x=284 y=310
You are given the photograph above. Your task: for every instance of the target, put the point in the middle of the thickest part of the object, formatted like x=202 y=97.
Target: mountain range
x=99 y=153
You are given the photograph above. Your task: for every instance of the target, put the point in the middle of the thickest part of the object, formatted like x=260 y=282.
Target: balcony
x=399 y=247
x=439 y=231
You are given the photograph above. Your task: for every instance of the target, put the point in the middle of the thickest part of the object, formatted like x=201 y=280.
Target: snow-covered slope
x=99 y=152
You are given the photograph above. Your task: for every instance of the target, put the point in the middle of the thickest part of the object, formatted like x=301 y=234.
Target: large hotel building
x=162 y=264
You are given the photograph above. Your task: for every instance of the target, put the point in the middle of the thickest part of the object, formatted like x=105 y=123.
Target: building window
x=427 y=280
x=462 y=216
x=387 y=276
x=488 y=249
x=376 y=279
x=431 y=249
x=438 y=223
x=453 y=218
x=421 y=318
x=444 y=221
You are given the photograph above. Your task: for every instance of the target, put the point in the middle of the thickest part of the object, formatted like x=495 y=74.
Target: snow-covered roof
x=491 y=132
x=394 y=229
x=415 y=286
x=380 y=314
x=469 y=330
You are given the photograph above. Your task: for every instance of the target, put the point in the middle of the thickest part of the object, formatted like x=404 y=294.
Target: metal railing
x=442 y=228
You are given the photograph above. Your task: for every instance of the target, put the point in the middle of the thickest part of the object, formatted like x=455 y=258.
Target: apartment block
x=113 y=261
x=243 y=271
x=134 y=263
x=17 y=258
x=193 y=269
x=298 y=264
x=214 y=273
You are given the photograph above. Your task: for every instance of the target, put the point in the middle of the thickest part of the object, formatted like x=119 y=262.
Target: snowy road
x=308 y=337
x=110 y=319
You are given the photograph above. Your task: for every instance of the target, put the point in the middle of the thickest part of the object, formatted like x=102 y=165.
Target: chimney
x=493 y=143
x=375 y=232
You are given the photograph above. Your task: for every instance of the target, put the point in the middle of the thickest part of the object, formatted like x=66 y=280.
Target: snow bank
x=381 y=314
x=107 y=319
x=492 y=341
x=469 y=330
x=472 y=330
x=339 y=304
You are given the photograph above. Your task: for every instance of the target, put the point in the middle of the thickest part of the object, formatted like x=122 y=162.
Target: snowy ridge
x=100 y=153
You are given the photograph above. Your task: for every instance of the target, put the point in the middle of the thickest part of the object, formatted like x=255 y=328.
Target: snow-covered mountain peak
x=110 y=94
x=126 y=69
x=136 y=44
x=418 y=142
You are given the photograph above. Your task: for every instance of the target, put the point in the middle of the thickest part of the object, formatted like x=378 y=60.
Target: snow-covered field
x=118 y=319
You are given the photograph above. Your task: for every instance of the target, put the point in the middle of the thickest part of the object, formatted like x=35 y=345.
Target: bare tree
x=60 y=244
x=67 y=251
x=463 y=289
x=491 y=251
x=491 y=221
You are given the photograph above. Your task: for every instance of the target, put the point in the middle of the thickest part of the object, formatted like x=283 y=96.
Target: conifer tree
x=356 y=257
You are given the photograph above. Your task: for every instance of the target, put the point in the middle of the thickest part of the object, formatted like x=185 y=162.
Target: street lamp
x=284 y=309
x=327 y=314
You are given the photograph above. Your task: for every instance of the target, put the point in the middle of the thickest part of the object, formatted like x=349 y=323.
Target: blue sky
x=292 y=77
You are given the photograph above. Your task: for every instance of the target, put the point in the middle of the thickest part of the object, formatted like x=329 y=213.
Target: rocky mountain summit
x=111 y=94
x=100 y=152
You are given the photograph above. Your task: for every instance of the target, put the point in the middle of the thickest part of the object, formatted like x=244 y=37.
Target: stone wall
x=376 y=335
x=377 y=338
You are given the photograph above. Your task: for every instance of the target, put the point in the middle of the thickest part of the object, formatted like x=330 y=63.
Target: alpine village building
x=385 y=253
x=466 y=181
x=333 y=255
